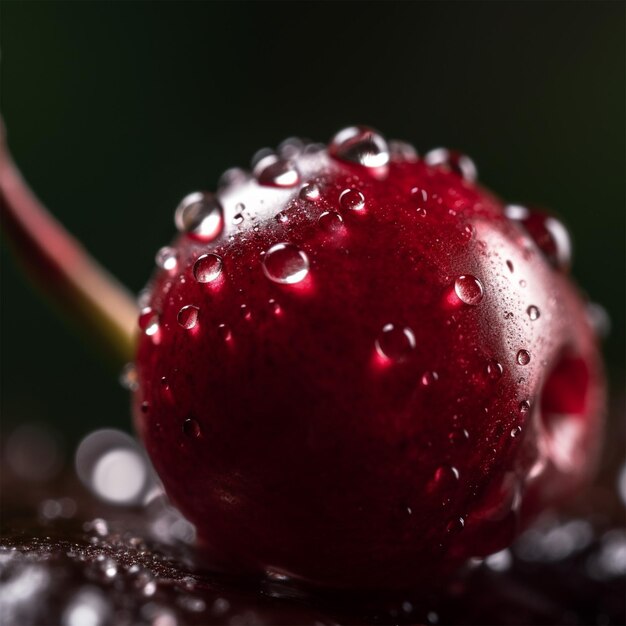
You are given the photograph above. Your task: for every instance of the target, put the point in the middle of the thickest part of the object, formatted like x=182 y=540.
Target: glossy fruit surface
x=357 y=368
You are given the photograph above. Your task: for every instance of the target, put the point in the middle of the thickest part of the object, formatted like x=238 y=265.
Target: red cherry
x=373 y=373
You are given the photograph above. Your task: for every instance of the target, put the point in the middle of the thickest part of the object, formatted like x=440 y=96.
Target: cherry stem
x=61 y=268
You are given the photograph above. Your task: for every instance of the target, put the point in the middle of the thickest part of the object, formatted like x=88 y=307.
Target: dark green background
x=115 y=110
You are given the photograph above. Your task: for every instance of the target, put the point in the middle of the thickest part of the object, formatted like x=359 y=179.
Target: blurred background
x=116 y=110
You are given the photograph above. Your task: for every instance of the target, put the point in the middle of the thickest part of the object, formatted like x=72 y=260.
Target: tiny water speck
x=533 y=312
x=330 y=221
x=310 y=192
x=167 y=258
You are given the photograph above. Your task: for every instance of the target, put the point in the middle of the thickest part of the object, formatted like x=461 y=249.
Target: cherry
x=375 y=370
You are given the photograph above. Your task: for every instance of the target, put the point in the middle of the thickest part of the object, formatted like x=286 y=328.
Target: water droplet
x=310 y=192
x=548 y=233
x=245 y=312
x=402 y=151
x=469 y=289
x=494 y=369
x=149 y=321
x=523 y=357
x=524 y=406
x=456 y=162
x=509 y=264
x=428 y=378
x=224 y=332
x=188 y=316
x=455 y=525
x=446 y=477
x=352 y=199
x=362 y=145
x=129 y=378
x=330 y=221
x=207 y=268
x=232 y=176
x=167 y=258
x=191 y=428
x=272 y=171
x=237 y=219
x=516 y=431
x=458 y=435
x=533 y=312
x=285 y=263
x=274 y=306
x=291 y=148
x=395 y=342
x=281 y=217
x=200 y=216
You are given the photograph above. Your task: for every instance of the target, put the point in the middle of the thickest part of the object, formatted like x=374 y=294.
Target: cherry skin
x=358 y=369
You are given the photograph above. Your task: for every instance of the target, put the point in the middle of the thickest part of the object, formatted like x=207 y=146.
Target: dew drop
x=446 y=476
x=428 y=378
x=515 y=432
x=395 y=342
x=352 y=199
x=361 y=145
x=237 y=219
x=310 y=192
x=402 y=151
x=245 y=312
x=149 y=321
x=281 y=217
x=469 y=289
x=523 y=357
x=188 y=316
x=272 y=171
x=167 y=258
x=291 y=147
x=524 y=406
x=232 y=176
x=207 y=268
x=548 y=233
x=456 y=162
x=494 y=369
x=191 y=428
x=200 y=216
x=455 y=525
x=285 y=263
x=274 y=306
x=224 y=332
x=533 y=312
x=330 y=221
x=458 y=436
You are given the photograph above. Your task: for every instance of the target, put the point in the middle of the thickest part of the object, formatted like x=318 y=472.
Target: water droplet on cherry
x=285 y=263
x=428 y=378
x=395 y=342
x=149 y=321
x=272 y=171
x=446 y=476
x=494 y=369
x=361 y=145
x=516 y=431
x=167 y=258
x=352 y=199
x=191 y=428
x=455 y=525
x=200 y=216
x=310 y=192
x=469 y=289
x=456 y=162
x=207 y=268
x=533 y=312
x=524 y=406
x=523 y=357
x=402 y=151
x=330 y=221
x=281 y=217
x=188 y=316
